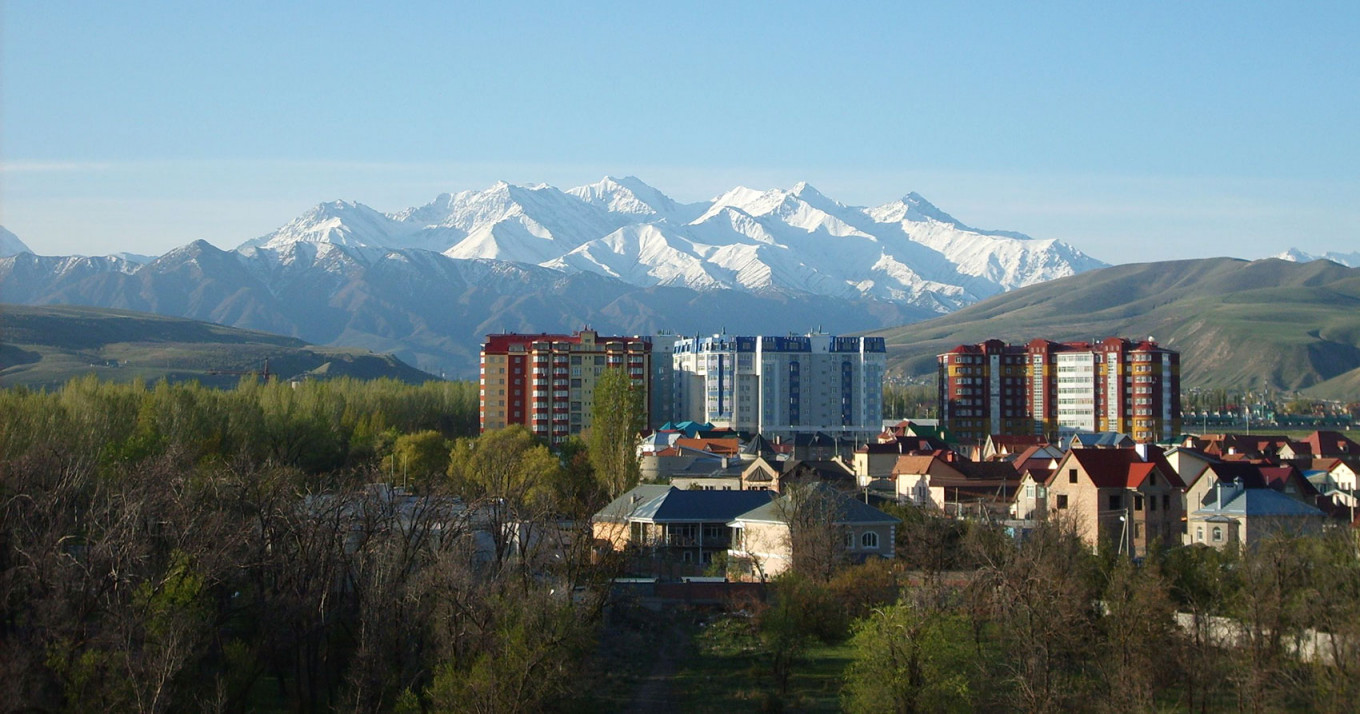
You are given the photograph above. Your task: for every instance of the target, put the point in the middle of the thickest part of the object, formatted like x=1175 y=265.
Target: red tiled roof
x=1330 y=443
x=1121 y=468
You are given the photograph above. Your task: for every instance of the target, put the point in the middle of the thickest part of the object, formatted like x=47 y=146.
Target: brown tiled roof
x=1011 y=441
x=987 y=470
x=913 y=464
x=728 y=447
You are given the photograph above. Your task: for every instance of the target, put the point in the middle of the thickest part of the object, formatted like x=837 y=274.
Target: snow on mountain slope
x=10 y=244
x=796 y=241
x=543 y=212
x=1294 y=255
x=630 y=196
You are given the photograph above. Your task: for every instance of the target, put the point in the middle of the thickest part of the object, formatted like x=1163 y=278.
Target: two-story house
x=1118 y=497
x=674 y=526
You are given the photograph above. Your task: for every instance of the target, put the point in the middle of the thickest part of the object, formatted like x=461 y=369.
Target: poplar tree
x=617 y=417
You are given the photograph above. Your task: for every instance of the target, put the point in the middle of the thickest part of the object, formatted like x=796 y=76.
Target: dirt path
x=656 y=693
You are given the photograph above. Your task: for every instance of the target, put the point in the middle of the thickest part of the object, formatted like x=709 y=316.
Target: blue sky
x=1135 y=131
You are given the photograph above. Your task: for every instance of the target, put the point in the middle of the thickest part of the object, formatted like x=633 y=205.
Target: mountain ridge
x=745 y=239
x=45 y=346
x=1265 y=324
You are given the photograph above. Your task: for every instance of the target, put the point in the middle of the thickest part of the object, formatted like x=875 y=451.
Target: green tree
x=508 y=476
x=419 y=457
x=617 y=417
x=909 y=659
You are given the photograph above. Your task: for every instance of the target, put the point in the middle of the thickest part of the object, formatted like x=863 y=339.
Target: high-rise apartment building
x=781 y=385
x=1046 y=388
x=547 y=382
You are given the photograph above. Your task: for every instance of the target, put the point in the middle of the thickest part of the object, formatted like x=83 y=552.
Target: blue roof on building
x=1261 y=502
x=851 y=510
x=667 y=504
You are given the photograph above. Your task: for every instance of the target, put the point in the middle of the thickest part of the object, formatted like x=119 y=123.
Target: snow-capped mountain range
x=429 y=282
x=1294 y=255
x=794 y=240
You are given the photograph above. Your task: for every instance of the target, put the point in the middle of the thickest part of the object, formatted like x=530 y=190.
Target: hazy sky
x=1135 y=131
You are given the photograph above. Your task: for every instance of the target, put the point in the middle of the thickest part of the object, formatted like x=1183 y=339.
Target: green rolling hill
x=1238 y=324
x=46 y=346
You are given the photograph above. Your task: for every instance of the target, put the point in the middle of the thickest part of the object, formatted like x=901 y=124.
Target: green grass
x=726 y=671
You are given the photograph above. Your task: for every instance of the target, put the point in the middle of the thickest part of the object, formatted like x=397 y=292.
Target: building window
x=1199 y=534
x=1116 y=503
x=1062 y=501
x=849 y=540
x=1071 y=475
x=1166 y=502
x=869 y=540
x=1218 y=534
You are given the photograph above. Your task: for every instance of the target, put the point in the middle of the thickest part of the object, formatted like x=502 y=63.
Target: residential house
x=914 y=473
x=983 y=489
x=1043 y=457
x=1189 y=463
x=1095 y=440
x=722 y=475
x=956 y=485
x=1031 y=496
x=873 y=463
x=1330 y=444
x=1001 y=445
x=762 y=475
x=673 y=526
x=1124 y=498
x=1342 y=472
x=1239 y=516
x=763 y=545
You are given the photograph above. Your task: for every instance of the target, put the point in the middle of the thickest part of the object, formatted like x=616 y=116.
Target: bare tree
x=1040 y=595
x=815 y=516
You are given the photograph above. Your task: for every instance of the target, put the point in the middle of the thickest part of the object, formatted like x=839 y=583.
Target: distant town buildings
x=1045 y=388
x=782 y=386
x=547 y=382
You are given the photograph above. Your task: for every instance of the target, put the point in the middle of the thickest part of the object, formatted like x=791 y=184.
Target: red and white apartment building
x=547 y=382
x=1046 y=388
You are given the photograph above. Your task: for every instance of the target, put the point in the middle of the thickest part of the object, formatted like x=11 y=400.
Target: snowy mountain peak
x=921 y=206
x=628 y=195
x=1294 y=255
x=794 y=239
x=10 y=244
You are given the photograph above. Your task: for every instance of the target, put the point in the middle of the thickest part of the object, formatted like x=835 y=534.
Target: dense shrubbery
x=174 y=548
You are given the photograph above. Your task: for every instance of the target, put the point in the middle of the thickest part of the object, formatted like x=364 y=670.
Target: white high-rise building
x=780 y=386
